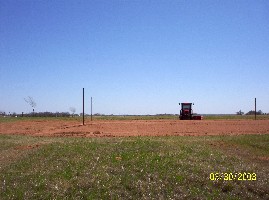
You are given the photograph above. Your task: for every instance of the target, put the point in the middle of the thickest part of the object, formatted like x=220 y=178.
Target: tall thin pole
x=255 y=108
x=91 y=108
x=83 y=106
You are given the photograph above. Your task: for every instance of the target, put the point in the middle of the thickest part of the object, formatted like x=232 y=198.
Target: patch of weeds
x=129 y=168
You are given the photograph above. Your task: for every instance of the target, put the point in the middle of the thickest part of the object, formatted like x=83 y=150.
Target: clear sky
x=134 y=56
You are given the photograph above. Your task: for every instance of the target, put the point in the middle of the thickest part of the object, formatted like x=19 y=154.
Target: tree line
x=251 y=112
x=38 y=114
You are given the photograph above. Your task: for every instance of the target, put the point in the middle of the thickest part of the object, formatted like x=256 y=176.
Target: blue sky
x=134 y=57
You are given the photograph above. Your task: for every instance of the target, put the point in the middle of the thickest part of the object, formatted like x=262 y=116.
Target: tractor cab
x=186 y=111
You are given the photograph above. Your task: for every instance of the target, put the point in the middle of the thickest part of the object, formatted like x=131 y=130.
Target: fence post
x=91 y=108
x=83 y=107
x=255 y=110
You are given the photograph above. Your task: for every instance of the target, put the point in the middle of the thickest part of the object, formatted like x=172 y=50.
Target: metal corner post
x=255 y=109
x=83 y=107
x=91 y=108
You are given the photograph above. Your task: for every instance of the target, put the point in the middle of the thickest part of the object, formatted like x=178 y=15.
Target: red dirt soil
x=121 y=128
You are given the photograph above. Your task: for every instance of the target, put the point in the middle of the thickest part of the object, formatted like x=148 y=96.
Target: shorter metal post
x=91 y=108
x=255 y=110
x=83 y=107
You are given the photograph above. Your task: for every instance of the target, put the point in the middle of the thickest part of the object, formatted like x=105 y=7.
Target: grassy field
x=134 y=117
x=176 y=117
x=138 y=117
x=132 y=168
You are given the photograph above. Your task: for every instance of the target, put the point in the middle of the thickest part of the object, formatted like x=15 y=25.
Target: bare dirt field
x=121 y=128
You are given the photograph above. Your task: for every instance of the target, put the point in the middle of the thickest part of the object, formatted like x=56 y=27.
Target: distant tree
x=73 y=110
x=259 y=112
x=239 y=112
x=14 y=114
x=31 y=102
x=252 y=112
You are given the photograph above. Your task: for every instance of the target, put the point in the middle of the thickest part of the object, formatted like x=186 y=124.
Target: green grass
x=15 y=119
x=235 y=117
x=132 y=168
x=136 y=117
